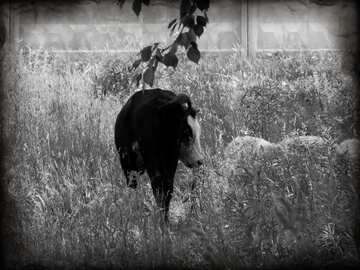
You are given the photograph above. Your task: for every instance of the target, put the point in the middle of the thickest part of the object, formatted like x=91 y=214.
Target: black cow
x=155 y=129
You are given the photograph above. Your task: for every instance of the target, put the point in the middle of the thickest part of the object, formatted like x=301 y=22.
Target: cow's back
x=139 y=110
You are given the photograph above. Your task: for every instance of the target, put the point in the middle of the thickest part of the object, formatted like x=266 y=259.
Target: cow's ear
x=185 y=106
x=183 y=100
x=178 y=105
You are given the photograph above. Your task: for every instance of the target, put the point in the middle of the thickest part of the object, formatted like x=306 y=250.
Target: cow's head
x=189 y=130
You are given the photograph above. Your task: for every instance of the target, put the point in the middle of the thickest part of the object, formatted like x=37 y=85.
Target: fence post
x=244 y=28
x=252 y=27
x=13 y=26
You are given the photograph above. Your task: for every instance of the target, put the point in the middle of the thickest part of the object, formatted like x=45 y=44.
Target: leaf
x=183 y=40
x=146 y=53
x=146 y=2
x=155 y=45
x=191 y=35
x=188 y=21
x=203 y=4
x=148 y=75
x=158 y=55
x=136 y=6
x=156 y=62
x=170 y=60
x=172 y=23
x=120 y=3
x=193 y=44
x=193 y=53
x=136 y=78
x=200 y=20
x=184 y=8
x=192 y=9
x=206 y=17
x=173 y=48
x=136 y=63
x=198 y=30
x=172 y=29
x=151 y=62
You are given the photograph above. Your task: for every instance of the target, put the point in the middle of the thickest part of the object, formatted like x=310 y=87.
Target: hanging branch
x=190 y=28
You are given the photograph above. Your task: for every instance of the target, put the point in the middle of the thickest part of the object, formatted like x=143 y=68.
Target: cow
x=153 y=131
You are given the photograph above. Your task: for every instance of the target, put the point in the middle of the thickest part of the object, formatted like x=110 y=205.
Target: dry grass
x=69 y=206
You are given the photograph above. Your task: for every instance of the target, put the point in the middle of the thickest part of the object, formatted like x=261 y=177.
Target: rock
x=248 y=154
x=348 y=160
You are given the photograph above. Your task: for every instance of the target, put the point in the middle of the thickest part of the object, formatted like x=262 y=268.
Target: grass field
x=68 y=203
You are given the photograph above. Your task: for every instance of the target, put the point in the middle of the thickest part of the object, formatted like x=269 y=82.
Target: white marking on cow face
x=137 y=152
x=190 y=147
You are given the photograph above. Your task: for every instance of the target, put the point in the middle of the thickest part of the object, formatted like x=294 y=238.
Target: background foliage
x=68 y=204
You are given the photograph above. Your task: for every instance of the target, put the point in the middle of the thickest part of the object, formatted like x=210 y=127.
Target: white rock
x=248 y=154
x=307 y=141
x=348 y=148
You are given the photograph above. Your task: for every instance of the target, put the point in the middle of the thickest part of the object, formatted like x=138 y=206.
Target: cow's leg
x=125 y=164
x=162 y=191
x=132 y=168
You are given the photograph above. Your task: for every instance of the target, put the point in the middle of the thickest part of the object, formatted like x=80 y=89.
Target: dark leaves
x=184 y=8
x=189 y=21
x=174 y=48
x=172 y=23
x=198 y=30
x=193 y=53
x=191 y=35
x=183 y=40
x=172 y=26
x=136 y=64
x=153 y=54
x=206 y=17
x=192 y=9
x=146 y=53
x=158 y=55
x=200 y=20
x=155 y=45
x=203 y=4
x=172 y=29
x=136 y=79
x=136 y=6
x=152 y=62
x=170 y=60
x=120 y=3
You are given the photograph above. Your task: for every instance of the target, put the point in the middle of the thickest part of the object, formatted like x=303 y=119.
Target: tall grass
x=68 y=203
